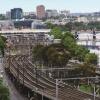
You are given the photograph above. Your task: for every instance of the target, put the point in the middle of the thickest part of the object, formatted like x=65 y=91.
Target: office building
x=16 y=13
x=40 y=12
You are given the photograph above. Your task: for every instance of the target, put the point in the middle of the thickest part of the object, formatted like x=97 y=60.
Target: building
x=6 y=25
x=38 y=25
x=16 y=13
x=96 y=14
x=8 y=15
x=51 y=13
x=64 y=13
x=22 y=24
x=82 y=19
x=29 y=15
x=48 y=13
x=54 y=13
x=40 y=12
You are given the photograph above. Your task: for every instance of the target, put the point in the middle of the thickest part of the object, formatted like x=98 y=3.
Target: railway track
x=23 y=70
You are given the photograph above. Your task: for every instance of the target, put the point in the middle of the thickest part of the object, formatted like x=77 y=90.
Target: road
x=14 y=94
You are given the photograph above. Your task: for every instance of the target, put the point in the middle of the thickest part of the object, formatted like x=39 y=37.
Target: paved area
x=14 y=94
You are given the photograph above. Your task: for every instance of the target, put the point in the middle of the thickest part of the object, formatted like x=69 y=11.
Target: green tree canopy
x=90 y=58
x=2 y=44
x=57 y=32
x=54 y=54
x=4 y=92
x=2 y=17
x=87 y=69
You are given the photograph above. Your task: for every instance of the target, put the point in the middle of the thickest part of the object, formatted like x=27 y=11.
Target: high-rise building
x=16 y=13
x=40 y=12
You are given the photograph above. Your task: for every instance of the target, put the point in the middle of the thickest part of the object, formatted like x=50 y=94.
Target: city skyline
x=78 y=6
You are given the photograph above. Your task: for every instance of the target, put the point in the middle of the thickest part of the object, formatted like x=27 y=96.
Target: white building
x=28 y=13
x=51 y=13
x=64 y=13
x=82 y=19
x=8 y=15
x=98 y=19
x=54 y=13
x=6 y=24
x=48 y=13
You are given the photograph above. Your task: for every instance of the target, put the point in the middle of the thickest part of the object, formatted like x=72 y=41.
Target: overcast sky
x=72 y=5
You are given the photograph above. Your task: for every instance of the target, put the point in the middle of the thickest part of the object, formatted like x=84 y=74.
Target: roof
x=26 y=31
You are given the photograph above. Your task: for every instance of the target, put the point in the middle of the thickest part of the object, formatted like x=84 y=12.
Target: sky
x=72 y=5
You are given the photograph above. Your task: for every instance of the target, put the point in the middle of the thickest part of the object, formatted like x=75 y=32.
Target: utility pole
x=58 y=82
x=94 y=92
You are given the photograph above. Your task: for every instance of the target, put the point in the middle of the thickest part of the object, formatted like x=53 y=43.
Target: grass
x=86 y=88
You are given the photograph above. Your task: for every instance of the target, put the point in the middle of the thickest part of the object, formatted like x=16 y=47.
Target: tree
x=4 y=92
x=70 y=44
x=4 y=38
x=90 y=58
x=57 y=32
x=54 y=54
x=50 y=25
x=76 y=51
x=2 y=17
x=69 y=26
x=2 y=44
x=57 y=56
x=38 y=52
x=80 y=52
x=85 y=69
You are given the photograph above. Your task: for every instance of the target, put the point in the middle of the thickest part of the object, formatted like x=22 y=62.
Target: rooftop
x=26 y=31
